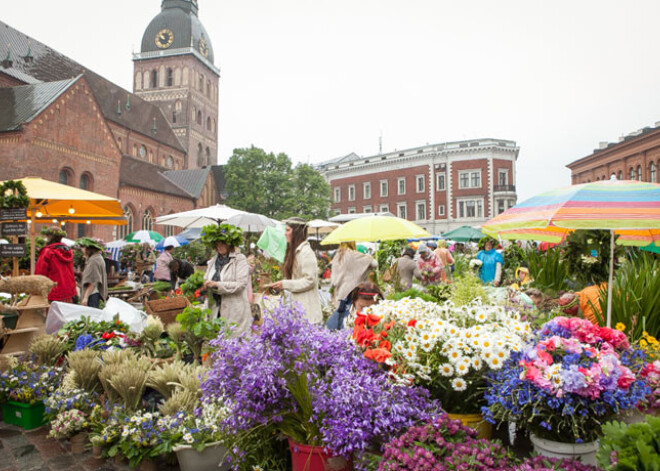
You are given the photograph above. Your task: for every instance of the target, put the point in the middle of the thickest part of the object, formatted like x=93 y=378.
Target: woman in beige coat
x=349 y=269
x=227 y=277
x=301 y=270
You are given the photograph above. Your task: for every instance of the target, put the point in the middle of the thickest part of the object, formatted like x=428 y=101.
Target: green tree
x=311 y=193
x=259 y=182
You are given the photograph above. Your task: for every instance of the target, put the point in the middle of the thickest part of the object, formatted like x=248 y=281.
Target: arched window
x=119 y=142
x=173 y=117
x=86 y=182
x=215 y=129
x=123 y=231
x=147 y=221
x=208 y=88
x=65 y=176
x=639 y=173
x=201 y=83
x=138 y=81
x=208 y=123
x=154 y=79
x=200 y=155
x=199 y=117
x=194 y=113
x=170 y=78
x=134 y=150
x=208 y=156
x=620 y=177
x=652 y=173
x=631 y=174
x=170 y=161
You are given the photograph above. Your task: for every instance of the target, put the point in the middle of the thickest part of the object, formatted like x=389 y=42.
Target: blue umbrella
x=176 y=241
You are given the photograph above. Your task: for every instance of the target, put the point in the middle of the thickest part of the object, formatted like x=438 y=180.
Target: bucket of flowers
x=23 y=389
x=573 y=378
x=311 y=385
x=445 y=348
x=68 y=410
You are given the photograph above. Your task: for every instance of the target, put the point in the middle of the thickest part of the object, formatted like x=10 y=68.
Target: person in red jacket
x=56 y=262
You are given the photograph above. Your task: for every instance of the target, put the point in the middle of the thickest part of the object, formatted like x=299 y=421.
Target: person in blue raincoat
x=492 y=264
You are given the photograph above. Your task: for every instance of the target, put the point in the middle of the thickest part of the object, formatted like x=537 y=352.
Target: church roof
x=140 y=174
x=177 y=18
x=34 y=59
x=191 y=180
x=23 y=103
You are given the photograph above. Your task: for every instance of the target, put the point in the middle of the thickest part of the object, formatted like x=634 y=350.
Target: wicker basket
x=167 y=309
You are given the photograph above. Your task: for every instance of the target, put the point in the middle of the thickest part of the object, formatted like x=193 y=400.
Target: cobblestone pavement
x=30 y=450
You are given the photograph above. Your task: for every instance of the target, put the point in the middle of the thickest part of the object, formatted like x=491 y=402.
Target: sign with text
x=14 y=228
x=13 y=250
x=13 y=214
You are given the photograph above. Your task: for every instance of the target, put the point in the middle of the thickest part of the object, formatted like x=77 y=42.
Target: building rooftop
x=140 y=174
x=191 y=180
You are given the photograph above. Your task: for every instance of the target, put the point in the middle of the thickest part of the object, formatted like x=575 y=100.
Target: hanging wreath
x=13 y=194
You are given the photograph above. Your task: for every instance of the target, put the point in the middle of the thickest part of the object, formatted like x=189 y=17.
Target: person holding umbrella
x=300 y=270
x=227 y=276
x=56 y=262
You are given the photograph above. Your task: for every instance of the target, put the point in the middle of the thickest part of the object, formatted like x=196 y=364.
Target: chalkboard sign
x=13 y=214
x=14 y=229
x=13 y=250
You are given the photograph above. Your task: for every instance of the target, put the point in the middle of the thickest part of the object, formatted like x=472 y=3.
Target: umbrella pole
x=609 y=282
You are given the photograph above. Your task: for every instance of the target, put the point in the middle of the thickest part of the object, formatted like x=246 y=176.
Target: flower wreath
x=7 y=197
x=231 y=235
x=53 y=231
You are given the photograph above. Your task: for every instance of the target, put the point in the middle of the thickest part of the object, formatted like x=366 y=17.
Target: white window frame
x=501 y=204
x=385 y=208
x=479 y=202
x=399 y=181
x=399 y=207
x=351 y=192
x=470 y=174
x=501 y=172
x=441 y=177
x=421 y=188
x=441 y=210
x=384 y=185
x=366 y=190
x=337 y=194
x=420 y=204
x=366 y=209
x=352 y=210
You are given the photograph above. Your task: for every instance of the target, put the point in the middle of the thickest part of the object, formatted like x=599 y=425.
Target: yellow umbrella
x=375 y=228
x=50 y=200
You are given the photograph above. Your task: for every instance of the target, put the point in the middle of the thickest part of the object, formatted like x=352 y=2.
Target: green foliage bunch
x=387 y=253
x=548 y=271
x=195 y=252
x=198 y=328
x=467 y=289
x=630 y=447
x=229 y=234
x=13 y=194
x=192 y=284
x=635 y=296
x=577 y=254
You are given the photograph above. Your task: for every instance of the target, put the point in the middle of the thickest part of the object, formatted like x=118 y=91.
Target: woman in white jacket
x=227 y=277
x=300 y=270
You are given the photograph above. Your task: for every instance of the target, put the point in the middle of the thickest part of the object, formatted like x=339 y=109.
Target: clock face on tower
x=164 y=38
x=203 y=47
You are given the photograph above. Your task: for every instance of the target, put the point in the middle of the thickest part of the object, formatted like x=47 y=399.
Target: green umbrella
x=273 y=241
x=464 y=234
x=142 y=236
x=651 y=248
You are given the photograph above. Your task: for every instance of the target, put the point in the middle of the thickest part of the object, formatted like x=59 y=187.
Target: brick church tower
x=174 y=70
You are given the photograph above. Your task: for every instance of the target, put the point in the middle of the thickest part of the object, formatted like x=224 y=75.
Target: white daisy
x=446 y=369
x=459 y=384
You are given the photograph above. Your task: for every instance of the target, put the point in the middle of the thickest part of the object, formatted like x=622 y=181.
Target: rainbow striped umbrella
x=630 y=209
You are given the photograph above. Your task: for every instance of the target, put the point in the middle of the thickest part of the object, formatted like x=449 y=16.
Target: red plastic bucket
x=313 y=458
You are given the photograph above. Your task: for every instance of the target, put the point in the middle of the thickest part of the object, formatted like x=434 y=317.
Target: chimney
x=603 y=144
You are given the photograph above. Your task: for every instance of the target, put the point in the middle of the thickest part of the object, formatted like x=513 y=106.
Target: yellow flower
x=643 y=343
x=620 y=326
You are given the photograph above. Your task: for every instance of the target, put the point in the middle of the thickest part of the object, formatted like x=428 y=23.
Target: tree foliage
x=266 y=183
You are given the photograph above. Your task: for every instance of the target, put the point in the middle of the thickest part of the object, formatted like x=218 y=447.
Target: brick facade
x=435 y=170
x=635 y=157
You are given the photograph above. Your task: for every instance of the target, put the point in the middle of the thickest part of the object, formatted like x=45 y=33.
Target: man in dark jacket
x=181 y=269
x=56 y=262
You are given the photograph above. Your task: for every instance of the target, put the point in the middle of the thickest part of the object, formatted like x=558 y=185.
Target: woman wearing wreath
x=56 y=262
x=227 y=276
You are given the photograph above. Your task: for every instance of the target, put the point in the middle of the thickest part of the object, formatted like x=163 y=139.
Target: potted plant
x=310 y=385
x=24 y=388
x=563 y=386
x=68 y=411
x=444 y=348
x=197 y=439
x=630 y=446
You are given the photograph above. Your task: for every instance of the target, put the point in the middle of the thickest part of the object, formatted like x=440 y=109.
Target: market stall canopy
x=51 y=200
x=628 y=208
x=464 y=234
x=252 y=222
x=375 y=228
x=321 y=226
x=199 y=217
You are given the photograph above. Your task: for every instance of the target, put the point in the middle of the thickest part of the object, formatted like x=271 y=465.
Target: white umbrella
x=170 y=240
x=199 y=217
x=322 y=226
x=68 y=242
x=252 y=222
x=116 y=244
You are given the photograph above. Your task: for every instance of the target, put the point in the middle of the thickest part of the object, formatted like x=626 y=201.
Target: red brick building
x=64 y=123
x=635 y=157
x=440 y=186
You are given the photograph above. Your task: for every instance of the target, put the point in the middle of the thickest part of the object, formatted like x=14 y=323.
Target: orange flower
x=360 y=319
x=412 y=322
x=204 y=357
x=372 y=320
x=377 y=354
x=389 y=325
x=386 y=345
x=383 y=333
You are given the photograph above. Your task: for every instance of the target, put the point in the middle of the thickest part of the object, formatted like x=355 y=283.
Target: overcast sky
x=318 y=79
